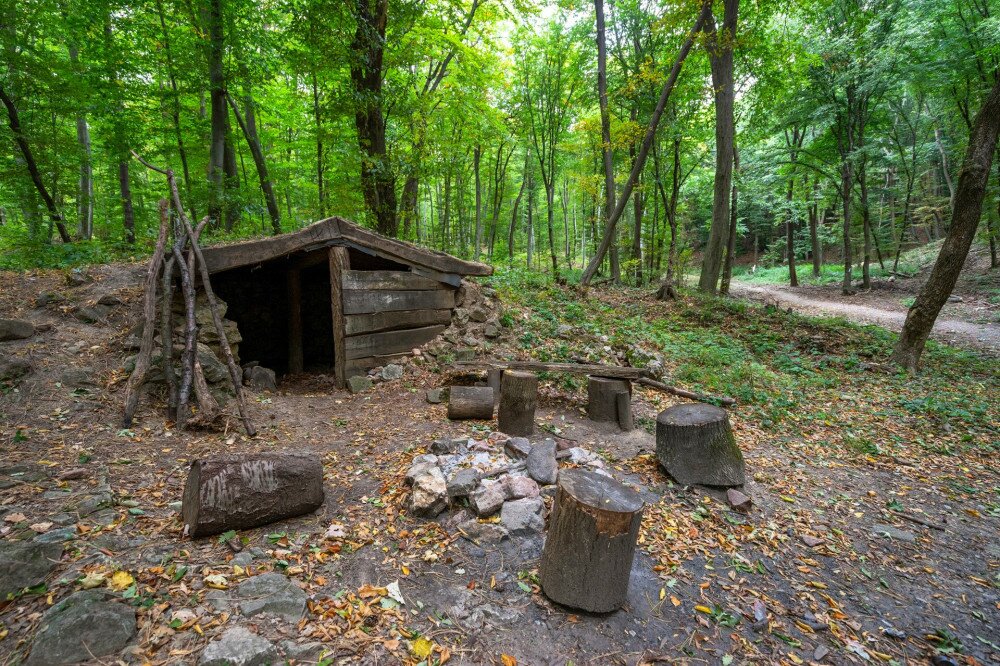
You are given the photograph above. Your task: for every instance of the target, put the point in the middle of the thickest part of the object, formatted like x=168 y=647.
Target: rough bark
x=250 y=133
x=477 y=250
x=470 y=402
x=623 y=404
x=518 y=399
x=727 y=267
x=238 y=492
x=695 y=444
x=720 y=50
x=601 y=401
x=588 y=553
x=85 y=189
x=969 y=194
x=217 y=87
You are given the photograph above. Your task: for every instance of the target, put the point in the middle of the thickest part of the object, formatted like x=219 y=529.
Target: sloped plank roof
x=336 y=231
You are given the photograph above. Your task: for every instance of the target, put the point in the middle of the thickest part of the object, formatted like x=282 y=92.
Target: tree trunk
x=176 y=103
x=944 y=166
x=513 y=215
x=695 y=444
x=250 y=133
x=721 y=59
x=236 y=492
x=845 y=193
x=518 y=400
x=470 y=402
x=85 y=191
x=476 y=155
x=817 y=250
x=601 y=401
x=128 y=215
x=972 y=181
x=727 y=267
x=217 y=92
x=587 y=558
x=320 y=185
x=793 y=278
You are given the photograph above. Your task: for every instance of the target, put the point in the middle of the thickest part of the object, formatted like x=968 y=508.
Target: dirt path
x=872 y=308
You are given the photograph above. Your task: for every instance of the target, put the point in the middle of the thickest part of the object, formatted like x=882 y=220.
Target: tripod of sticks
x=186 y=259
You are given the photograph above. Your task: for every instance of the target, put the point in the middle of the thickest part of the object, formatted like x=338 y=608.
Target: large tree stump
x=695 y=444
x=470 y=402
x=602 y=397
x=518 y=399
x=236 y=492
x=588 y=553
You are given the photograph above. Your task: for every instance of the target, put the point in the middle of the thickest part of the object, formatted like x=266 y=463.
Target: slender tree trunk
x=85 y=191
x=531 y=218
x=249 y=128
x=175 y=105
x=513 y=215
x=29 y=159
x=317 y=116
x=476 y=155
x=721 y=59
x=972 y=182
x=550 y=192
x=727 y=268
x=944 y=166
x=128 y=215
x=217 y=91
x=817 y=249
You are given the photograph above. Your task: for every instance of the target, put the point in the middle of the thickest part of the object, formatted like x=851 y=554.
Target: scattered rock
x=479 y=314
x=464 y=354
x=357 y=384
x=436 y=396
x=218 y=599
x=15 y=329
x=392 y=372
x=445 y=446
x=239 y=647
x=56 y=536
x=73 y=474
x=78 y=277
x=820 y=652
x=463 y=482
x=82 y=627
x=421 y=464
x=272 y=593
x=92 y=314
x=480 y=533
x=542 y=465
x=48 y=298
x=739 y=501
x=215 y=371
x=26 y=564
x=12 y=369
x=429 y=496
x=524 y=516
x=487 y=498
x=955 y=299
x=109 y=300
x=893 y=532
x=263 y=379
x=517 y=487
x=303 y=653
x=517 y=447
x=811 y=541
x=491 y=330
x=77 y=377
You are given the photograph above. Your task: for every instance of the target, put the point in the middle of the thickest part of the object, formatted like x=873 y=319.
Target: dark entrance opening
x=258 y=301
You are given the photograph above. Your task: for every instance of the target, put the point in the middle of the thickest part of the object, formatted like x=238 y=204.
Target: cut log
x=623 y=401
x=602 y=401
x=494 y=377
x=695 y=444
x=588 y=553
x=236 y=492
x=615 y=371
x=518 y=399
x=470 y=402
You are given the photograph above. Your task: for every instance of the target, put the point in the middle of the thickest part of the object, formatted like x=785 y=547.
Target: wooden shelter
x=335 y=297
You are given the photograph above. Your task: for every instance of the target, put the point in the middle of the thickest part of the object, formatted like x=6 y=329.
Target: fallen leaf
x=421 y=648
x=92 y=580
x=217 y=581
x=41 y=527
x=120 y=581
x=508 y=660
x=15 y=518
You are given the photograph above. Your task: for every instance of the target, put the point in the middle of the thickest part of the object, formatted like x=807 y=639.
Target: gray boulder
x=392 y=372
x=81 y=627
x=436 y=396
x=487 y=498
x=524 y=516
x=92 y=314
x=272 y=593
x=517 y=486
x=517 y=447
x=463 y=482
x=480 y=533
x=262 y=379
x=357 y=384
x=15 y=329
x=239 y=647
x=215 y=371
x=26 y=564
x=12 y=369
x=542 y=465
x=429 y=496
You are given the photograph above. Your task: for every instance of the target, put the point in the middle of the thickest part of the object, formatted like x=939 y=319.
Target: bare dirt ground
x=823 y=570
x=973 y=321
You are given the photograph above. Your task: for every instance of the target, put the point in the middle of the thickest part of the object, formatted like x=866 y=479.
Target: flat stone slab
x=893 y=533
x=84 y=626
x=272 y=593
x=542 y=465
x=26 y=564
x=239 y=647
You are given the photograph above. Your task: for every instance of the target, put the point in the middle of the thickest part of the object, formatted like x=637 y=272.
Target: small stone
x=357 y=384
x=12 y=369
x=429 y=496
x=479 y=314
x=263 y=379
x=542 y=465
x=218 y=599
x=239 y=647
x=820 y=652
x=811 y=541
x=56 y=536
x=392 y=372
x=81 y=627
x=417 y=468
x=73 y=474
x=463 y=482
x=491 y=330
x=109 y=300
x=487 y=498
x=15 y=329
x=436 y=396
x=92 y=314
x=517 y=487
x=26 y=564
x=524 y=516
x=444 y=446
x=893 y=533
x=464 y=354
x=77 y=377
x=517 y=447
x=242 y=559
x=738 y=501
x=480 y=533
x=272 y=593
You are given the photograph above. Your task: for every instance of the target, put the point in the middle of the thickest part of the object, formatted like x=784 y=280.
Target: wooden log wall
x=388 y=313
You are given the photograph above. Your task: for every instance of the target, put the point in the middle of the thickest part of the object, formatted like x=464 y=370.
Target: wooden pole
x=295 y=358
x=339 y=261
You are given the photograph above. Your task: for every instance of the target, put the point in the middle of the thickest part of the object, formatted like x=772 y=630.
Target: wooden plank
x=411 y=254
x=294 y=285
x=361 y=366
x=387 y=321
x=225 y=257
x=400 y=280
x=358 y=301
x=613 y=371
x=389 y=342
x=339 y=262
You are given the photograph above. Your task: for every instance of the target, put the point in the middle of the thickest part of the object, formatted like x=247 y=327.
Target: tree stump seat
x=695 y=445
